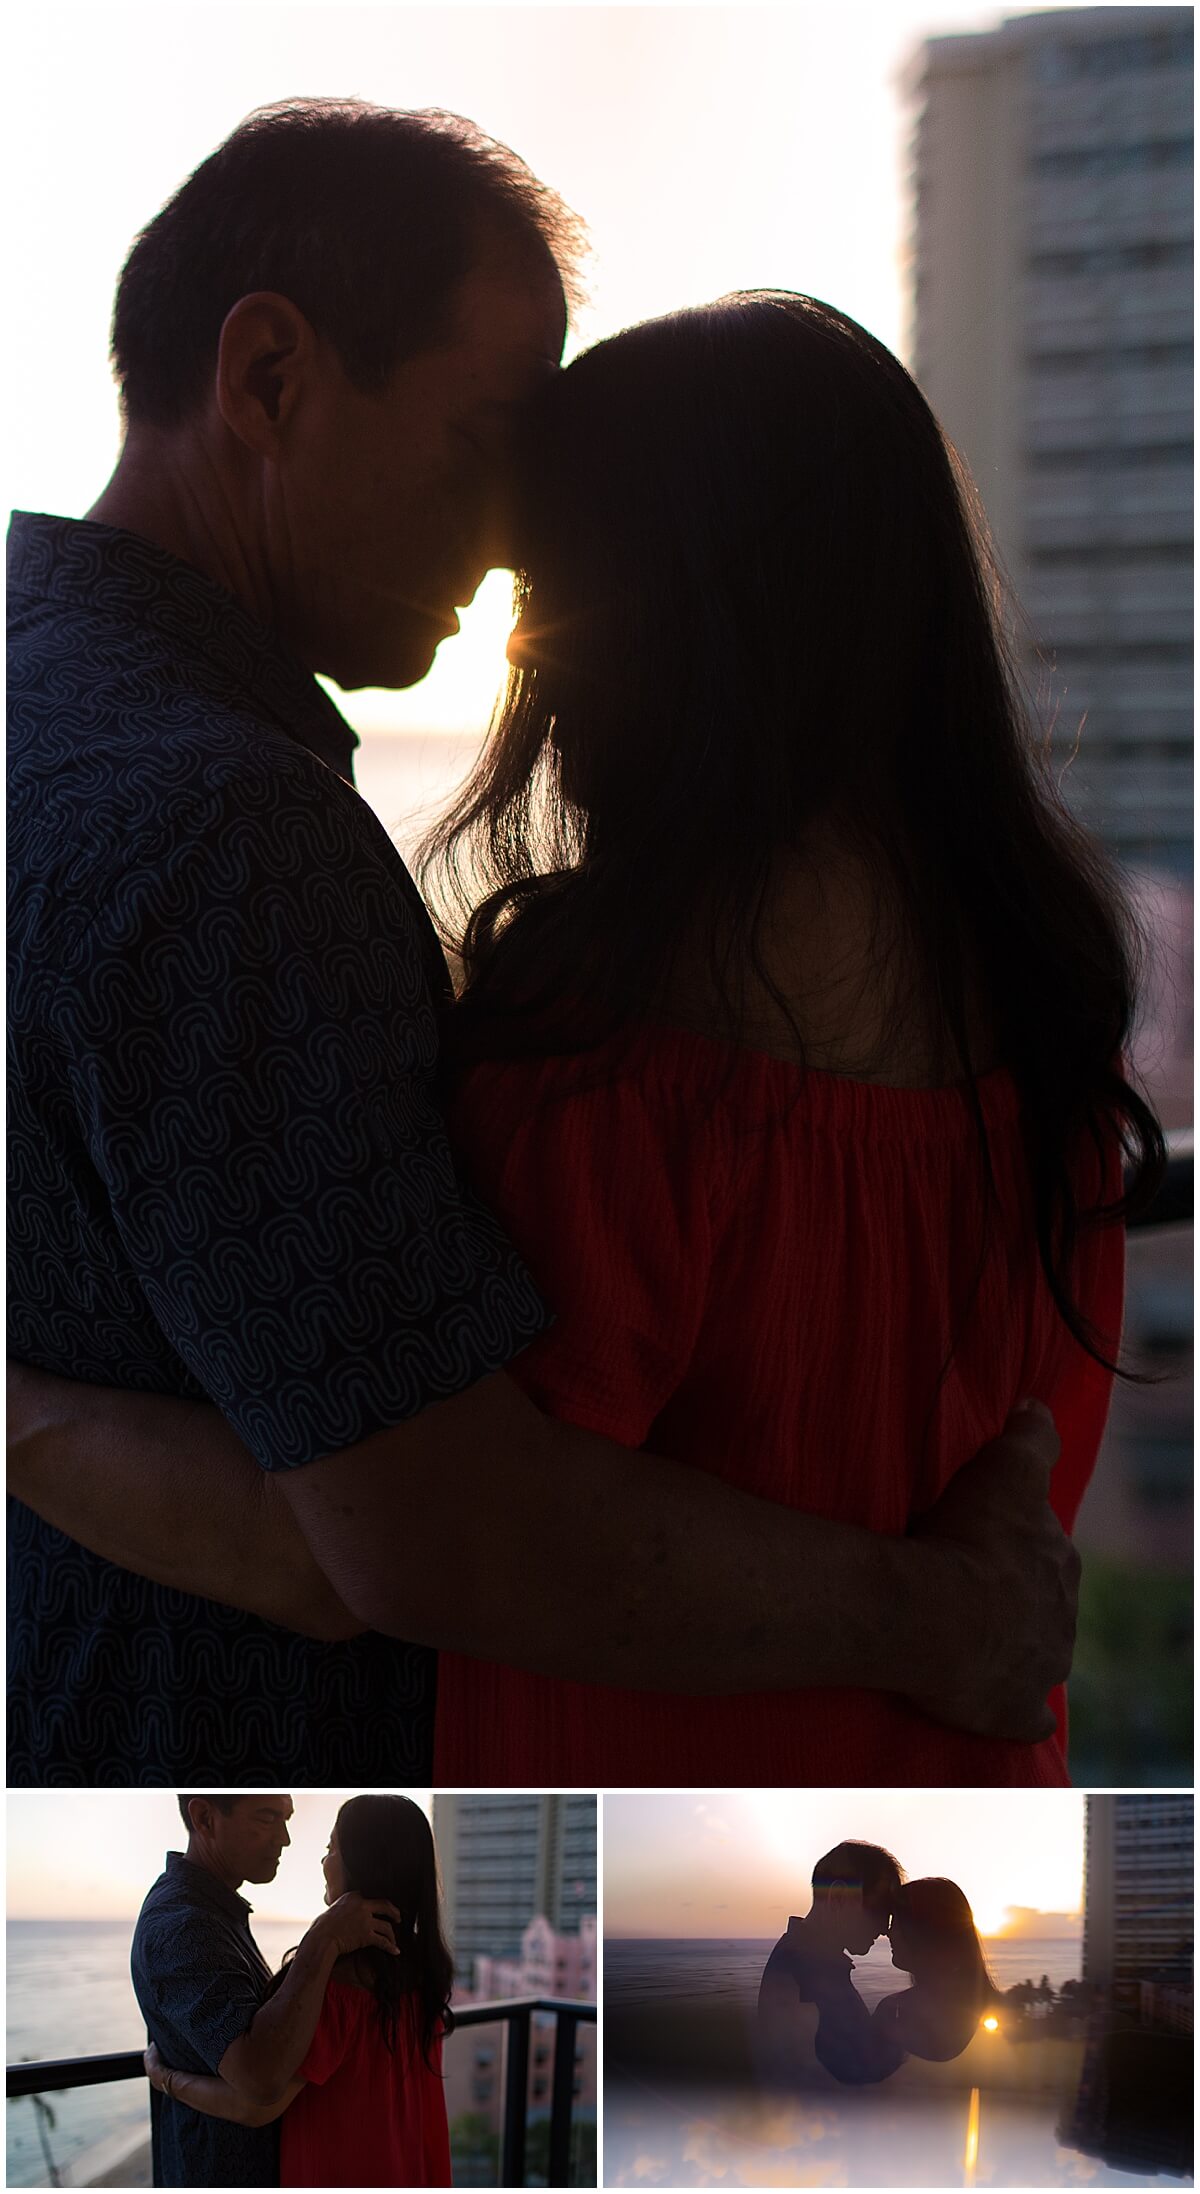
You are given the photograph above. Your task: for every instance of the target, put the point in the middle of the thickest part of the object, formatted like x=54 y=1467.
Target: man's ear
x=266 y=349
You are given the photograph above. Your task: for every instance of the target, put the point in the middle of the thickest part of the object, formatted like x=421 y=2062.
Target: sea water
x=974 y=2122
x=70 y=1995
x=639 y=1972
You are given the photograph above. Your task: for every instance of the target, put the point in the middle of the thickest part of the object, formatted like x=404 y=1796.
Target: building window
x=1110 y=553
x=1111 y=259
x=1111 y=456
x=1101 y=160
x=1113 y=56
x=1108 y=355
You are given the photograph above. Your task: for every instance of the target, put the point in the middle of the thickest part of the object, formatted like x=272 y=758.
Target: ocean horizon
x=409 y=777
x=647 y=1969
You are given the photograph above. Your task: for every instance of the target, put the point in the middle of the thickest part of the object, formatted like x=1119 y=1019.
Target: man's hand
x=157 y=2072
x=1009 y=1586
x=357 y=1923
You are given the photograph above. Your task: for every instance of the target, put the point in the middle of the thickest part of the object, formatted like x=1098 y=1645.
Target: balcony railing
x=515 y=2013
x=1173 y=1205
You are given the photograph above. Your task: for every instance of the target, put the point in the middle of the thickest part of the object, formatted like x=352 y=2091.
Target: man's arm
x=261 y=2063
x=780 y=2031
x=650 y=1574
x=852 y=2045
x=657 y=1576
x=210 y=2094
x=165 y=1488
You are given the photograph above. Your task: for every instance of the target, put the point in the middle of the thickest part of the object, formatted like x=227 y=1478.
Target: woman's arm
x=217 y=2098
x=166 y=1489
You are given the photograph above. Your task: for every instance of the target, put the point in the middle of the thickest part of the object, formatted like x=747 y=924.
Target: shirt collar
x=61 y=560
x=205 y=1888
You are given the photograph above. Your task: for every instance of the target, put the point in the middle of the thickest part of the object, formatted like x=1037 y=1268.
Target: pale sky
x=708 y=149
x=737 y=1863
x=92 y=1854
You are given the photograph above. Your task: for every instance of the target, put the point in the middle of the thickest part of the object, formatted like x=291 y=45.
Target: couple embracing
x=327 y=2073
x=692 y=1261
x=858 y=1894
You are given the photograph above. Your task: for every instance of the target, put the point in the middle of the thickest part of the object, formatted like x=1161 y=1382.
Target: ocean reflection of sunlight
x=971 y=2151
x=964 y=2136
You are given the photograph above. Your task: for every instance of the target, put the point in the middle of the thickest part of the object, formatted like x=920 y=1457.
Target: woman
x=791 y=1035
x=934 y=1939
x=367 y=2106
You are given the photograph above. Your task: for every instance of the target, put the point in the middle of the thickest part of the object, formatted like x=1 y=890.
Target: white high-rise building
x=1053 y=337
x=1138 y=1900
x=506 y=1857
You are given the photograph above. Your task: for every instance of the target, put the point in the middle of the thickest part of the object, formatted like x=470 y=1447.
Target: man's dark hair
x=868 y=1864
x=222 y=1802
x=367 y=219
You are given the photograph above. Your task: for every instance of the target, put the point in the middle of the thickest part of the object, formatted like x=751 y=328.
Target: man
x=853 y=1888
x=203 y=1985
x=232 y=1177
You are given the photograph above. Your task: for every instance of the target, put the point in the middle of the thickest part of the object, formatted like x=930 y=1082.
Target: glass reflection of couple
x=859 y=1894
x=327 y=2073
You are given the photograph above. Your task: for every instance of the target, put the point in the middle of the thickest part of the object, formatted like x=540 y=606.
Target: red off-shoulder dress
x=761 y=1270
x=368 y=2115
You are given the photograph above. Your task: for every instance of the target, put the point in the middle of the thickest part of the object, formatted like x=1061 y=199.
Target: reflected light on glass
x=971 y=2151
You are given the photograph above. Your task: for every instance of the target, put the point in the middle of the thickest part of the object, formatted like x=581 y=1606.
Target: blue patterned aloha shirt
x=200 y=1978
x=229 y=1174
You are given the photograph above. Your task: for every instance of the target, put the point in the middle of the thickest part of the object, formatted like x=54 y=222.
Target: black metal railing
x=58 y=2072
x=515 y=2013
x=1174 y=1204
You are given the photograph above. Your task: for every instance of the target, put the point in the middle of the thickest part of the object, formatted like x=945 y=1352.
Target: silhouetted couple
x=859 y=1894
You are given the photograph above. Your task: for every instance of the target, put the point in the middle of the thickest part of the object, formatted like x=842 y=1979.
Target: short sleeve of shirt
x=607 y=1192
x=334 y=2038
x=251 y=1048
x=187 y=1991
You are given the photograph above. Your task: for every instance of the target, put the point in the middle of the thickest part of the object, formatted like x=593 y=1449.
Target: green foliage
x=1131 y=1691
x=473 y=2137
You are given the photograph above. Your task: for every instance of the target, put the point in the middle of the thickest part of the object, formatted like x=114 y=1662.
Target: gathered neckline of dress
x=987 y=1077
x=659 y=1048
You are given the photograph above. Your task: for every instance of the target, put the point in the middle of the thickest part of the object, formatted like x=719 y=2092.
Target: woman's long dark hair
x=951 y=1953
x=757 y=594
x=386 y=1847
